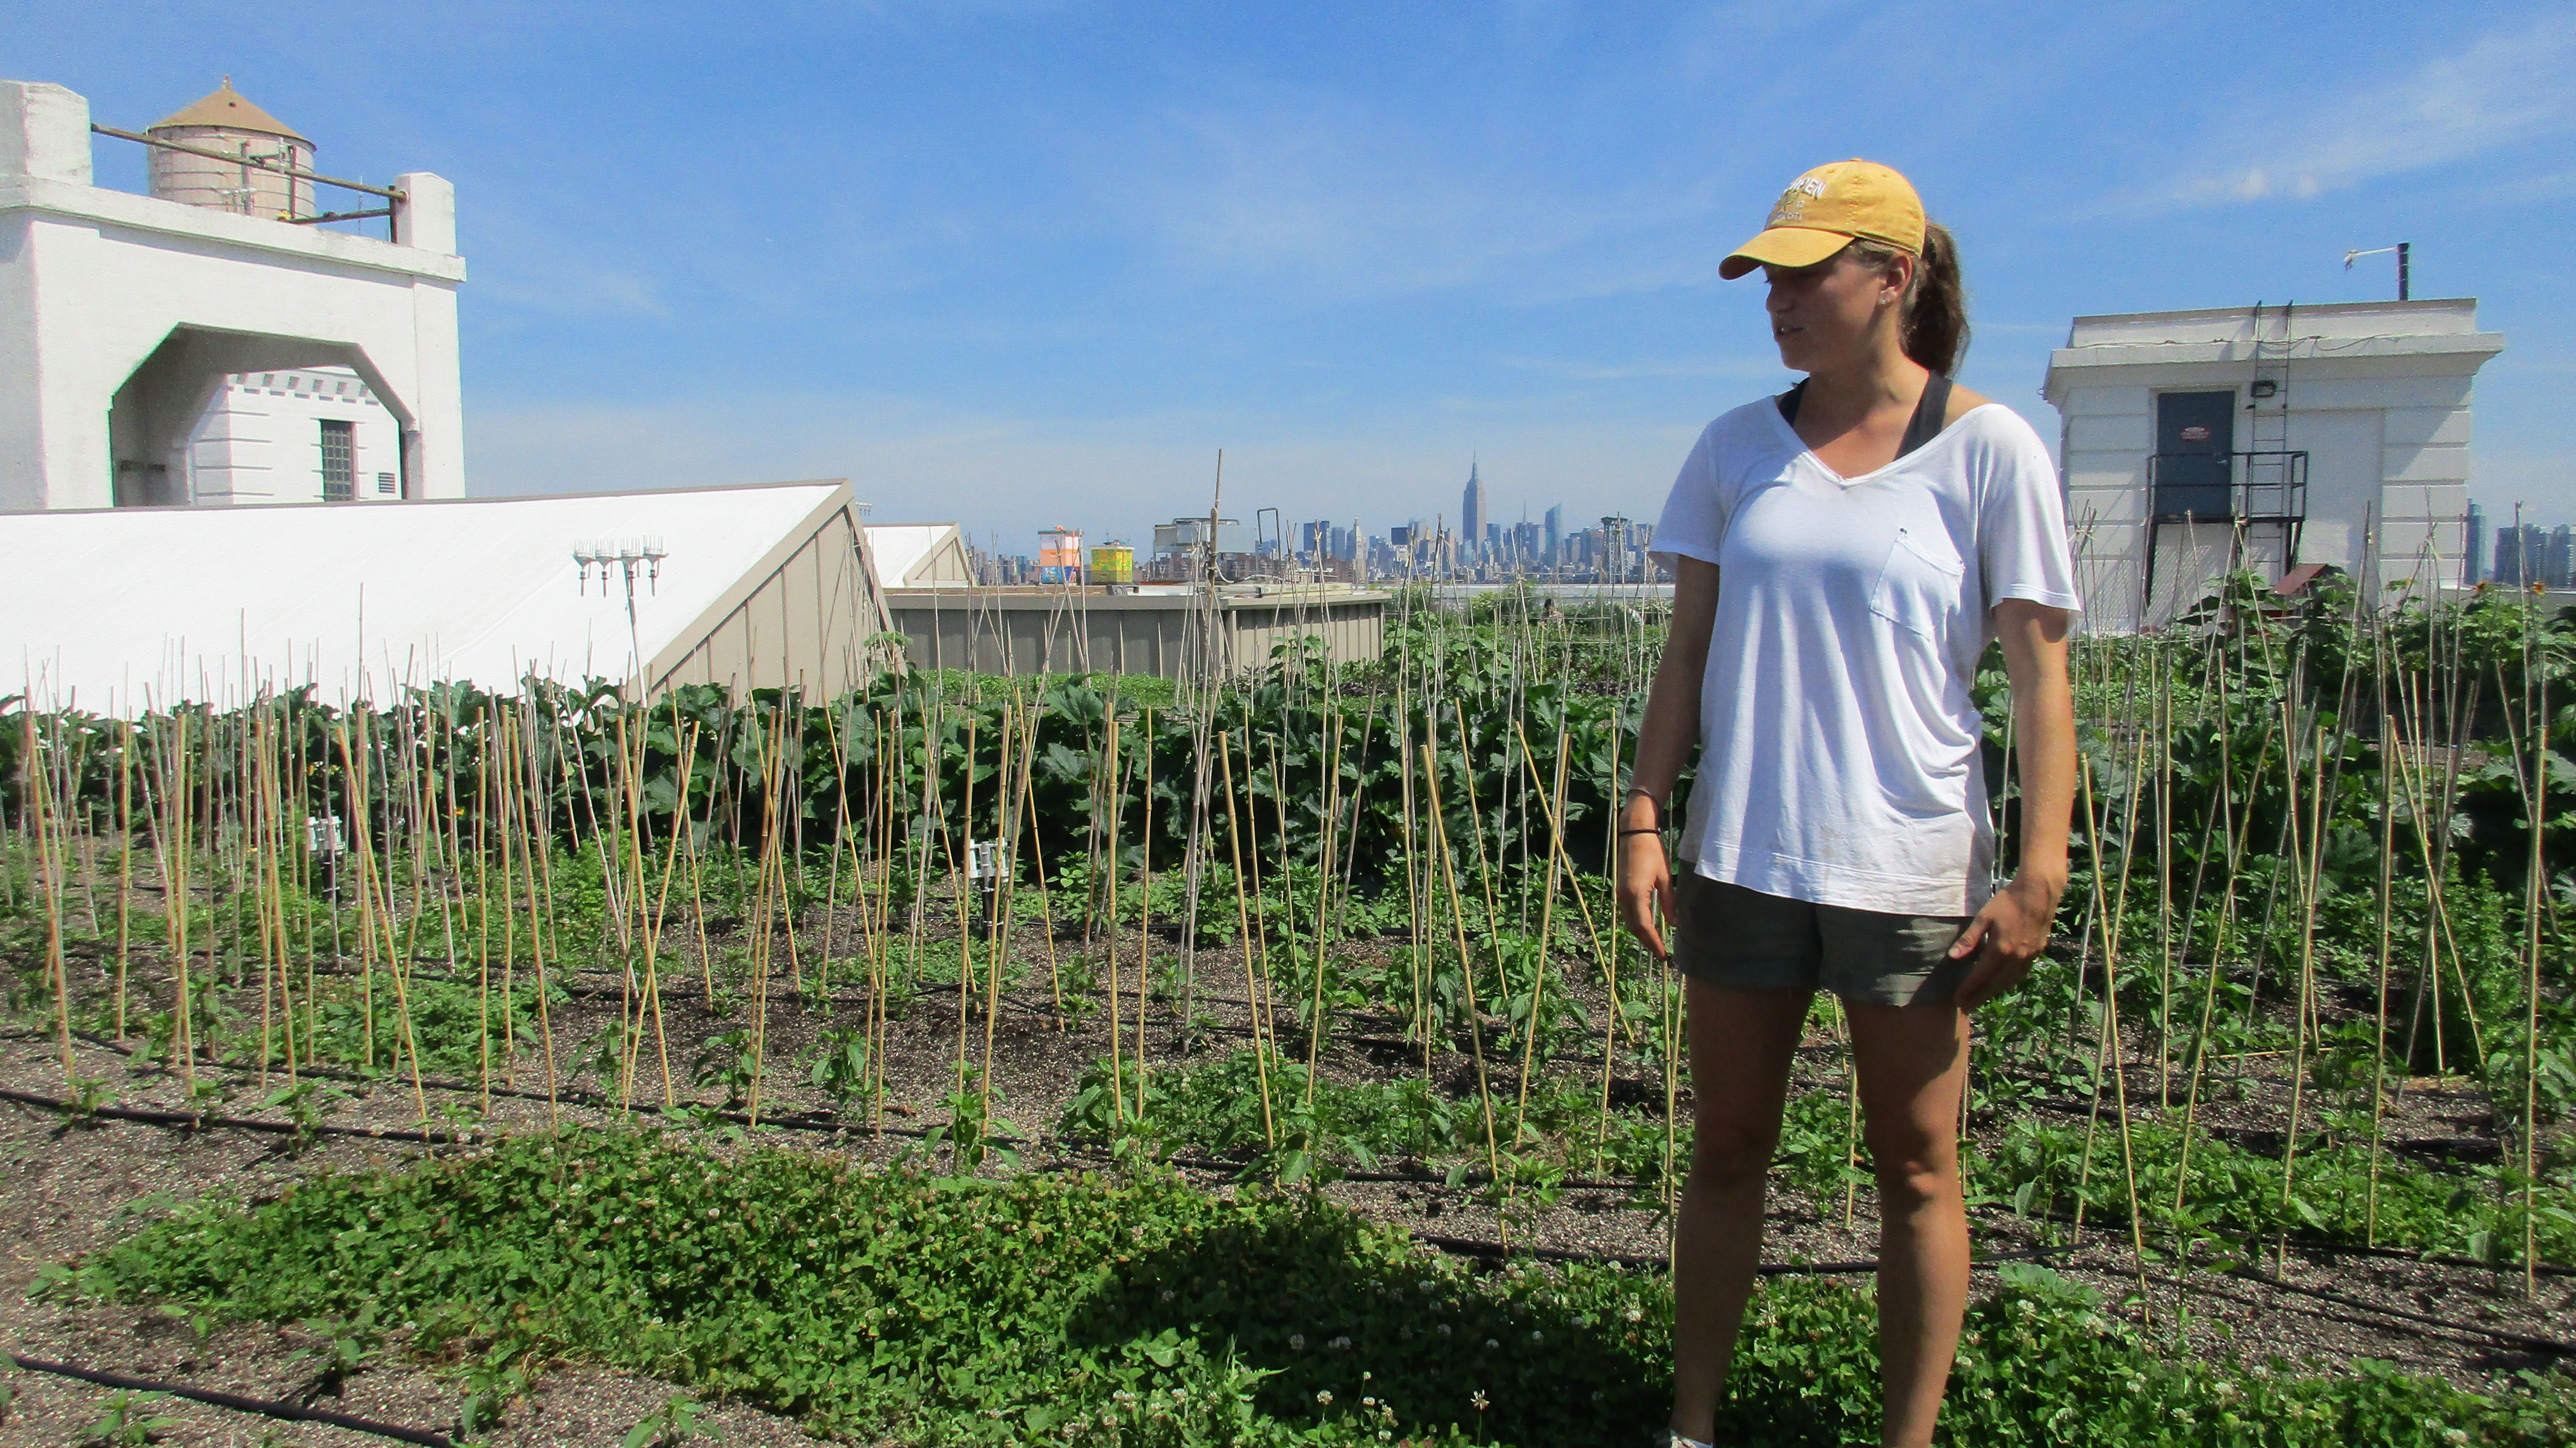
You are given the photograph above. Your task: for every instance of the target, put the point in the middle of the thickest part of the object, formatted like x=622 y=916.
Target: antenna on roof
x=2404 y=250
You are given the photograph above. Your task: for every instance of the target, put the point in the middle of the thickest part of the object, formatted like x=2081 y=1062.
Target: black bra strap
x=1931 y=411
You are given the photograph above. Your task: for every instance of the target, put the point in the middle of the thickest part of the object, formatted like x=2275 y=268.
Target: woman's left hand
x=2005 y=937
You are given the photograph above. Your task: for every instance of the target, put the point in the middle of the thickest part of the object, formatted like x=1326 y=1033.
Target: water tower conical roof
x=224 y=106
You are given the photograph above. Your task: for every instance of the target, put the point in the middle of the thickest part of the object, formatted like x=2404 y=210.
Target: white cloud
x=1353 y=200
x=2508 y=87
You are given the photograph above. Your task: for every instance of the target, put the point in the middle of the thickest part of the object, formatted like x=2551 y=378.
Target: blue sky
x=1025 y=263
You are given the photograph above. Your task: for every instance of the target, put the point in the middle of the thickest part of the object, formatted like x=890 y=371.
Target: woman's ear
x=1898 y=279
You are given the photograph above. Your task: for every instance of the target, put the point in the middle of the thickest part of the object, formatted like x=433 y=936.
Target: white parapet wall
x=123 y=317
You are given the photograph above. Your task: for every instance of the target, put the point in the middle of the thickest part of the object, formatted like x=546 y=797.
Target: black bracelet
x=1649 y=796
x=1642 y=830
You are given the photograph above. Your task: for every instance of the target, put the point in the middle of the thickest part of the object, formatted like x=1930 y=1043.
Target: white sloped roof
x=901 y=549
x=119 y=610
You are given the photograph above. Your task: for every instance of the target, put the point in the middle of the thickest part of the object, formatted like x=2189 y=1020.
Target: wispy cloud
x=2508 y=87
x=1359 y=201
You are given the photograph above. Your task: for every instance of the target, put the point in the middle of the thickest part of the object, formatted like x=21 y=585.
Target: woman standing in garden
x=1873 y=528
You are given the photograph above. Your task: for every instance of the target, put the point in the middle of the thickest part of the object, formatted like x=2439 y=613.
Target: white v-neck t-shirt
x=1838 y=731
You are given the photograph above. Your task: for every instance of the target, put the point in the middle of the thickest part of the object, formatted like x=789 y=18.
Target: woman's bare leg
x=1741 y=1044
x=1912 y=1063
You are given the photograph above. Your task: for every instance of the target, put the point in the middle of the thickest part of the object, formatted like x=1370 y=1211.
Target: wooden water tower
x=224 y=121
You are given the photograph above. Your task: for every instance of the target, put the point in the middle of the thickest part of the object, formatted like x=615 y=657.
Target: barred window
x=339 y=461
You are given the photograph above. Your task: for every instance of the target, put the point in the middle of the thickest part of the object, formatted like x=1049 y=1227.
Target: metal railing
x=394 y=196
x=2237 y=487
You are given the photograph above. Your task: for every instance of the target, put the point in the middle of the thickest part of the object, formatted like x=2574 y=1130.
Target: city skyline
x=1068 y=252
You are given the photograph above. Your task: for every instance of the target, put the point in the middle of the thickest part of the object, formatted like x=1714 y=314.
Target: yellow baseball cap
x=1825 y=209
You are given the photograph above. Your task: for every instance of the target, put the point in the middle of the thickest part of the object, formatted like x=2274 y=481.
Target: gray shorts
x=1731 y=936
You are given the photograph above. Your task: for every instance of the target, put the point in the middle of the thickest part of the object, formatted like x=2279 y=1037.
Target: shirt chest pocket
x=1920 y=586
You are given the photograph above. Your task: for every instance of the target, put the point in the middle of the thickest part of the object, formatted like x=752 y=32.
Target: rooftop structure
x=920 y=555
x=2197 y=443
x=1148 y=629
x=124 y=317
x=260 y=181
x=121 y=610
x=1060 y=555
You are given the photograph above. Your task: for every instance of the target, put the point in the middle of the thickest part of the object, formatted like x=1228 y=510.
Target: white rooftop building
x=920 y=555
x=301 y=435
x=120 y=610
x=130 y=325
x=2197 y=443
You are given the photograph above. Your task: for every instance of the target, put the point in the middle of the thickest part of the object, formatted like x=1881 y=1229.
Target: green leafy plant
x=671 y=1425
x=840 y=1069
x=887 y=1304
x=130 y=1419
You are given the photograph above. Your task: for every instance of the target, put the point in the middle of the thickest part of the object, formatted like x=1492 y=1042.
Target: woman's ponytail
x=1935 y=325
x=1936 y=314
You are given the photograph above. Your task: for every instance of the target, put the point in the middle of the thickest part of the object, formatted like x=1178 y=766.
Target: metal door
x=2195 y=441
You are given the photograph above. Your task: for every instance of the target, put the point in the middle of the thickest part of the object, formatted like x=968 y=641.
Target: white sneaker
x=1672 y=1439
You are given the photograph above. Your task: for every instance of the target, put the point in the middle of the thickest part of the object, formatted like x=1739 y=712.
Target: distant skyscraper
x=1555 y=531
x=1471 y=515
x=2518 y=555
x=2473 y=560
x=2558 y=557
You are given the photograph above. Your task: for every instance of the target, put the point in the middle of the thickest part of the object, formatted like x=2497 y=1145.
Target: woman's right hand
x=1645 y=881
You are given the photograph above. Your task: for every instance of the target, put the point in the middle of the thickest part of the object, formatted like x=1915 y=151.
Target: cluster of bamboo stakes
x=323 y=859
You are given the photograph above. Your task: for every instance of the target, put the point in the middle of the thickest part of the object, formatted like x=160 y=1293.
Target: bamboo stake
x=2534 y=883
x=1145 y=918
x=49 y=891
x=1323 y=889
x=1466 y=962
x=125 y=864
x=537 y=942
x=1555 y=803
x=1243 y=917
x=1046 y=911
x=2112 y=1048
x=1109 y=935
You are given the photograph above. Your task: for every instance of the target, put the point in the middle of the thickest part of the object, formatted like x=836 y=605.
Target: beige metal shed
x=1145 y=630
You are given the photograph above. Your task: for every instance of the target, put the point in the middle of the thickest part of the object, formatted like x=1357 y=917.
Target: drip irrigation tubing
x=2324 y=1247
x=793 y=1121
x=198 y=1120
x=2433 y=1148
x=1425 y=1177
x=1473 y=1247
x=267 y=1407
x=2526 y=1341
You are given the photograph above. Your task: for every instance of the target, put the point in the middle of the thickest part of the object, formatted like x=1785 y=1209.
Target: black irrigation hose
x=801 y=1121
x=2434 y=1148
x=1424 y=1177
x=199 y=1120
x=267 y=1407
x=2326 y=1247
x=2525 y=1341
x=1471 y=1247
